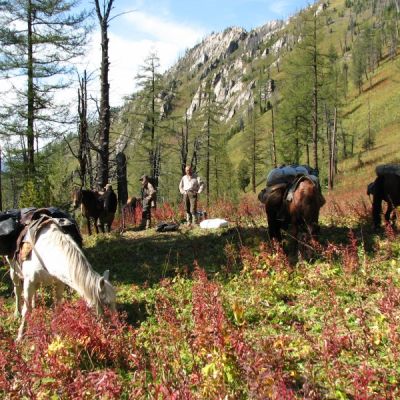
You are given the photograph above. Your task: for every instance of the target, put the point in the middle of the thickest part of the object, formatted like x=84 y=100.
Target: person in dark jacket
x=148 y=196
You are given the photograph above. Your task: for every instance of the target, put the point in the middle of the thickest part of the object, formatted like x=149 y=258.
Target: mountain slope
x=241 y=69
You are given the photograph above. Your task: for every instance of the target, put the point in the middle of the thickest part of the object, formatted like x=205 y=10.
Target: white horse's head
x=106 y=294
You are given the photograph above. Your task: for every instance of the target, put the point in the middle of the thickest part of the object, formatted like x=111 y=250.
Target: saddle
x=14 y=225
x=36 y=223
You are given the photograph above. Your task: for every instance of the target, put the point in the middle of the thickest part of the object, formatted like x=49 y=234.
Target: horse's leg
x=394 y=217
x=88 y=225
x=388 y=212
x=110 y=222
x=274 y=226
x=59 y=290
x=100 y=225
x=123 y=216
x=29 y=292
x=17 y=282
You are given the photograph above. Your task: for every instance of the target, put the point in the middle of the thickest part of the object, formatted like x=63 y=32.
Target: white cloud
x=280 y=8
x=144 y=34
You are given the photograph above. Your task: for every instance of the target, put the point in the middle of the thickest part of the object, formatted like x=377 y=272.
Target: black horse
x=101 y=207
x=385 y=187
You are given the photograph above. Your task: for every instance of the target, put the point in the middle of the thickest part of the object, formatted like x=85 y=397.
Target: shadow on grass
x=146 y=258
x=364 y=232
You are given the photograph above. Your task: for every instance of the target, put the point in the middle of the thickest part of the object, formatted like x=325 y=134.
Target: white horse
x=57 y=259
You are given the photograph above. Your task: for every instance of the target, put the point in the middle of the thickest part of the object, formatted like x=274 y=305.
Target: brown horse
x=94 y=205
x=301 y=211
x=385 y=187
x=91 y=206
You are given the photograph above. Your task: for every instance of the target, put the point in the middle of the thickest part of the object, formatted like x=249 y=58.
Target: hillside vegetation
x=220 y=314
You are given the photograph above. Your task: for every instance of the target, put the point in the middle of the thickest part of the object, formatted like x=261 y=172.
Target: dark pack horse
x=386 y=188
x=100 y=207
x=301 y=210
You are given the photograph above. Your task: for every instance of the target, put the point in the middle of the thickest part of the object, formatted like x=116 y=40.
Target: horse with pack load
x=292 y=198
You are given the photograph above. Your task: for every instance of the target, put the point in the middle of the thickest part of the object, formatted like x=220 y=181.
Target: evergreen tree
x=254 y=146
x=300 y=110
x=243 y=174
x=149 y=113
x=39 y=40
x=209 y=120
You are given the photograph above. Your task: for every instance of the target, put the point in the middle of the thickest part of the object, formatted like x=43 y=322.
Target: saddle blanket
x=214 y=223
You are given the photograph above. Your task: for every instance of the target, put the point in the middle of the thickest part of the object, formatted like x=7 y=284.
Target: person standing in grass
x=190 y=186
x=148 y=195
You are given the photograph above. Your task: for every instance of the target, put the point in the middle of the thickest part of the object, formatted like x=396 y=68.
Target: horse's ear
x=101 y=283
x=106 y=275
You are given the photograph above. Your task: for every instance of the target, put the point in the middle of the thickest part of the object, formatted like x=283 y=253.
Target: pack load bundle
x=385 y=169
x=10 y=228
x=214 y=223
x=287 y=174
x=12 y=222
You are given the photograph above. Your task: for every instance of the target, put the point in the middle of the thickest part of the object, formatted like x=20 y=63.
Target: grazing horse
x=54 y=257
x=385 y=187
x=129 y=210
x=301 y=210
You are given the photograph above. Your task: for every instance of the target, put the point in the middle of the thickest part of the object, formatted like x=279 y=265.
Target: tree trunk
x=104 y=123
x=31 y=96
x=122 y=182
x=273 y=137
x=208 y=161
x=315 y=99
x=1 y=186
x=184 y=145
x=332 y=155
x=83 y=129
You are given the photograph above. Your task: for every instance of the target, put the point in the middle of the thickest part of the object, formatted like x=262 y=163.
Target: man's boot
x=143 y=222
x=188 y=219
x=148 y=224
x=194 y=219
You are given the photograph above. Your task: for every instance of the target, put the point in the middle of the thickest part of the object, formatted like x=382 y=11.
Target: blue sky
x=169 y=27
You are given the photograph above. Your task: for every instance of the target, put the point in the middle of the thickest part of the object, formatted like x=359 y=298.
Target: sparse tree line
x=295 y=115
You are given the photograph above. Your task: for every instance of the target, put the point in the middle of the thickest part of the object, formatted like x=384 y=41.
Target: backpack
x=167 y=227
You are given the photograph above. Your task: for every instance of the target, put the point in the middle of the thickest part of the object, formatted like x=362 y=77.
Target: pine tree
x=39 y=40
x=301 y=93
x=149 y=113
x=243 y=174
x=255 y=146
x=209 y=119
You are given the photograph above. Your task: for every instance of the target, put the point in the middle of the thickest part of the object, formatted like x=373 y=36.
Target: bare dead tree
x=184 y=145
x=103 y=14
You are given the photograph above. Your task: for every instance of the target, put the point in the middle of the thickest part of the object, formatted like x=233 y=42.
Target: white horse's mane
x=86 y=279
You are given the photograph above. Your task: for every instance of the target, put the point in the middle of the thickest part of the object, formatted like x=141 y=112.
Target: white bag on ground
x=214 y=223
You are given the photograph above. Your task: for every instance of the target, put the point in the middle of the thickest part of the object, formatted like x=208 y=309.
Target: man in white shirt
x=190 y=187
